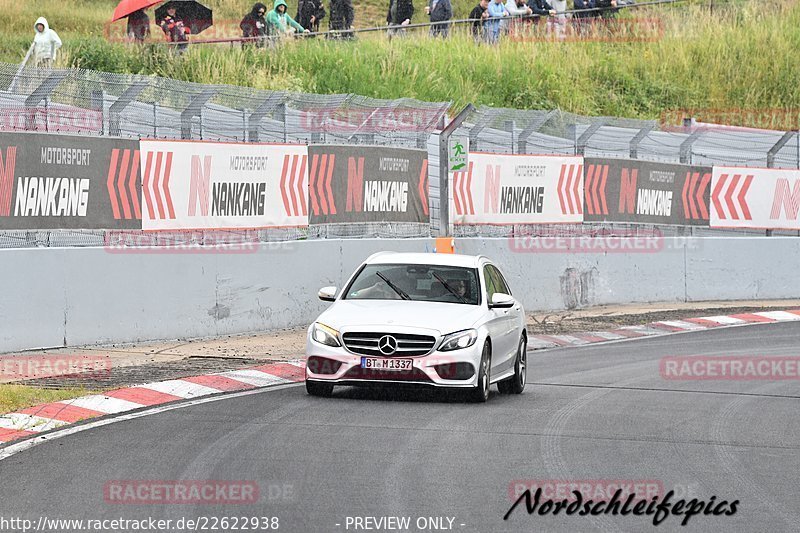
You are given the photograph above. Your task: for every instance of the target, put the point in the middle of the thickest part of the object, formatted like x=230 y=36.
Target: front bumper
x=337 y=365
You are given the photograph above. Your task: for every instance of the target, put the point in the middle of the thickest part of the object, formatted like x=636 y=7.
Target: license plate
x=386 y=364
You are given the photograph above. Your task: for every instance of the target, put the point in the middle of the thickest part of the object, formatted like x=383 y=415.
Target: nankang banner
x=367 y=184
x=763 y=198
x=208 y=185
x=68 y=182
x=624 y=190
x=517 y=189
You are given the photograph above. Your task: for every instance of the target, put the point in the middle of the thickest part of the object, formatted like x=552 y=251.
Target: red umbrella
x=126 y=7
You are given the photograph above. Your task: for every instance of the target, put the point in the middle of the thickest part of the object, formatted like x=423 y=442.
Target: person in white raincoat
x=45 y=44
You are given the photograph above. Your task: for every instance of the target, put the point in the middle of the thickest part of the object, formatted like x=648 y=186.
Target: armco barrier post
x=193 y=110
x=686 y=146
x=580 y=144
x=444 y=170
x=532 y=127
x=638 y=138
x=121 y=103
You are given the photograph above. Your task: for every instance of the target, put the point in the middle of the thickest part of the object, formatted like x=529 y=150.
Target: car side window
x=499 y=281
x=488 y=279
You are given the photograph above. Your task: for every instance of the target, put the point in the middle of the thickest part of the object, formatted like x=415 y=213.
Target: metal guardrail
x=97 y=103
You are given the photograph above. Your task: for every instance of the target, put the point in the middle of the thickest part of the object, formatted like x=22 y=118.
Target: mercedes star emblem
x=387 y=345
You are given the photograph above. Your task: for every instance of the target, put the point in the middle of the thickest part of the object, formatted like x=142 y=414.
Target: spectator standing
x=542 y=10
x=479 y=15
x=175 y=30
x=497 y=10
x=254 y=25
x=341 y=17
x=440 y=11
x=280 y=23
x=138 y=26
x=584 y=16
x=400 y=13
x=517 y=8
x=605 y=16
x=606 y=8
x=559 y=25
x=45 y=44
x=309 y=13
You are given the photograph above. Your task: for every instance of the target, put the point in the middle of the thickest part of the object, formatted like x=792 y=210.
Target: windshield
x=427 y=283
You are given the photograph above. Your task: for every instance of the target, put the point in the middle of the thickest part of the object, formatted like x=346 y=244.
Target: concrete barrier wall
x=74 y=296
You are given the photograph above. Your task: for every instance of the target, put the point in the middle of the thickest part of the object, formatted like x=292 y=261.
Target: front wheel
x=315 y=388
x=480 y=393
x=516 y=383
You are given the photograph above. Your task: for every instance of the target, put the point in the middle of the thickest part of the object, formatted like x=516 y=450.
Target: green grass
x=16 y=397
x=741 y=56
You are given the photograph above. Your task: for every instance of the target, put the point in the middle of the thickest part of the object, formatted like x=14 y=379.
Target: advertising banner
x=518 y=189
x=367 y=184
x=763 y=198
x=208 y=185
x=68 y=182
x=624 y=190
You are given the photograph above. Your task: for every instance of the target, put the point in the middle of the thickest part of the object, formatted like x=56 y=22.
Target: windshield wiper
x=449 y=288
x=394 y=287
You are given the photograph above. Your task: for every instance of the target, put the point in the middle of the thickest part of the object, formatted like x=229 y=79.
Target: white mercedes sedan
x=443 y=320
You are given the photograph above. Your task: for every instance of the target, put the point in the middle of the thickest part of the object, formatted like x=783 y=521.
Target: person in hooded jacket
x=45 y=43
x=280 y=23
x=254 y=25
x=138 y=26
x=341 y=18
x=309 y=13
x=439 y=11
x=400 y=13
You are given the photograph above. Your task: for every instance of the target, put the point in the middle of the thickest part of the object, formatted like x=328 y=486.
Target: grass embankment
x=741 y=56
x=16 y=397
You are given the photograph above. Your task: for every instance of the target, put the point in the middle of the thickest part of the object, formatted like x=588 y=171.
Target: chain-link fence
x=514 y=131
x=95 y=103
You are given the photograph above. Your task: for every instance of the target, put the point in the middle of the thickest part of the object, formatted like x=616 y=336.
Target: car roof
x=459 y=260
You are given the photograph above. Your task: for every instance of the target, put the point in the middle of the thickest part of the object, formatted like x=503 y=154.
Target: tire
x=315 y=388
x=516 y=383
x=480 y=393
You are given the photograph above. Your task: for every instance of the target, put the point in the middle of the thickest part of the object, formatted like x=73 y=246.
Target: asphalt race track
x=599 y=412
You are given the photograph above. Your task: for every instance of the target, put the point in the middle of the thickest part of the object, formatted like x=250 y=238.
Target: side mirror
x=501 y=300
x=327 y=294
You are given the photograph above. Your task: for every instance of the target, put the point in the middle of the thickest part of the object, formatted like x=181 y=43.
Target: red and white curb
x=662 y=327
x=33 y=420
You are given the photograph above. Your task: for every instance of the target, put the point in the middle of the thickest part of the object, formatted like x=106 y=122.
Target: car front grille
x=407 y=344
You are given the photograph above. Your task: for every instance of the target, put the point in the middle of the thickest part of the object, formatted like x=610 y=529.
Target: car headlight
x=459 y=340
x=325 y=335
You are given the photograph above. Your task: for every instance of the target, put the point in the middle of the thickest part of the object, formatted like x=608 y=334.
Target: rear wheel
x=516 y=383
x=480 y=393
x=315 y=388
